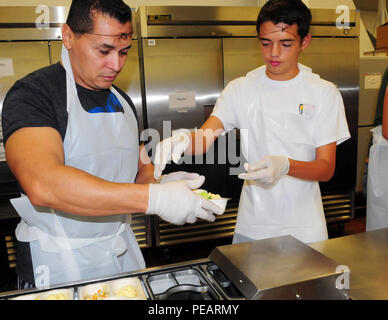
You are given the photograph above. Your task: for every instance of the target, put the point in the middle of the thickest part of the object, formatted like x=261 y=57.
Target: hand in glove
x=175 y=202
x=170 y=149
x=268 y=170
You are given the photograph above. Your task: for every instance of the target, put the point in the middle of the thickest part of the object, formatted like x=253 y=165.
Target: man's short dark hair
x=286 y=11
x=80 y=18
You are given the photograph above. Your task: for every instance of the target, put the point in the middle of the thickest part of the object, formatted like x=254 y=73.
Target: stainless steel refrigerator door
x=241 y=55
x=191 y=68
x=15 y=64
x=337 y=60
x=21 y=58
x=129 y=81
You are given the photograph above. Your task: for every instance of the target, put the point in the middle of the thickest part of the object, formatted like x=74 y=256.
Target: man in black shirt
x=71 y=140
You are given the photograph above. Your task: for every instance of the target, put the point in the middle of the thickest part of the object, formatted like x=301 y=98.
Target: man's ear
x=67 y=36
x=306 y=41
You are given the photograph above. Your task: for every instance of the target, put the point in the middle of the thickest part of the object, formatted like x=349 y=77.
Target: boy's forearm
x=317 y=170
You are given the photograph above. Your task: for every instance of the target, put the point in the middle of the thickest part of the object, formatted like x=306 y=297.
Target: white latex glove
x=176 y=203
x=268 y=170
x=170 y=149
x=182 y=175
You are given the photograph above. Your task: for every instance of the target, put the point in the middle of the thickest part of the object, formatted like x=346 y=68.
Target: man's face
x=98 y=57
x=280 y=48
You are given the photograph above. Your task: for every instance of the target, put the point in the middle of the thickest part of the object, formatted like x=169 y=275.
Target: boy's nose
x=275 y=51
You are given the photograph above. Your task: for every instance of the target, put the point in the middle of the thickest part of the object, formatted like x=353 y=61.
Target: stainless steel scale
x=275 y=268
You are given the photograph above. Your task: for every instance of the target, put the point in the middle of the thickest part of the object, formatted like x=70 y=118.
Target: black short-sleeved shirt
x=39 y=100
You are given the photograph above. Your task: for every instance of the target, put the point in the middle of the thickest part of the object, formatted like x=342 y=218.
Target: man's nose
x=114 y=62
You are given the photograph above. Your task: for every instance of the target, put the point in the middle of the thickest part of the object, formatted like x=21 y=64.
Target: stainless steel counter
x=277 y=268
x=366 y=255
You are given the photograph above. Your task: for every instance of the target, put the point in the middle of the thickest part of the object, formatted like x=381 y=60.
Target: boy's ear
x=306 y=41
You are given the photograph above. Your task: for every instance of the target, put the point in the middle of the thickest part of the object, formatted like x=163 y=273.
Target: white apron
x=291 y=206
x=377 y=186
x=66 y=247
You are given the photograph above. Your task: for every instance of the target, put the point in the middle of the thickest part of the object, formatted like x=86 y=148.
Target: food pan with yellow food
x=120 y=289
x=215 y=198
x=58 y=294
x=129 y=288
x=96 y=291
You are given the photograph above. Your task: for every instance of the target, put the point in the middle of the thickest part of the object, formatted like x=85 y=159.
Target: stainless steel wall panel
x=25 y=34
x=32 y=22
x=181 y=65
x=371 y=70
x=129 y=81
x=55 y=51
x=329 y=22
x=30 y=14
x=337 y=60
x=241 y=55
x=162 y=21
x=22 y=62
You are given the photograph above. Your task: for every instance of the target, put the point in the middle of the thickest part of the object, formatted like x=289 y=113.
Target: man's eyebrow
x=108 y=46
x=282 y=40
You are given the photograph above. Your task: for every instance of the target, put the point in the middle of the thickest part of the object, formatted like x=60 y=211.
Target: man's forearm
x=74 y=191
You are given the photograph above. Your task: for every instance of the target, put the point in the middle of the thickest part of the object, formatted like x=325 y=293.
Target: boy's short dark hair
x=80 y=17
x=287 y=11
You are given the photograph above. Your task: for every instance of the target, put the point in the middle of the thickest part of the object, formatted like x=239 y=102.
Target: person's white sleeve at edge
x=227 y=105
x=331 y=124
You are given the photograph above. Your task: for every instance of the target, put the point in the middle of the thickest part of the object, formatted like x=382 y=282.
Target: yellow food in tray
x=215 y=198
x=59 y=296
x=208 y=195
x=127 y=291
x=120 y=289
x=99 y=295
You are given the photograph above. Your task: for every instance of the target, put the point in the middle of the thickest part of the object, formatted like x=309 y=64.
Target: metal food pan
x=188 y=292
x=185 y=284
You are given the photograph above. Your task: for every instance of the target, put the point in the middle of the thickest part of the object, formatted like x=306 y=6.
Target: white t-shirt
x=286 y=118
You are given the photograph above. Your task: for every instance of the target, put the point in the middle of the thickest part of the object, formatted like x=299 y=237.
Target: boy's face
x=280 y=48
